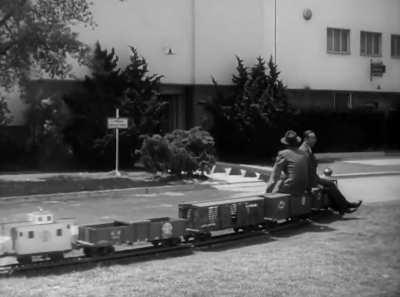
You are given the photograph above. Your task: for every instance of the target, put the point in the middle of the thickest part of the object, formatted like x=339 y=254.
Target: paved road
x=126 y=205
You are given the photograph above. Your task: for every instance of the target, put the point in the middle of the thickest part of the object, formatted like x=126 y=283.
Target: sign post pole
x=117 y=173
x=117 y=123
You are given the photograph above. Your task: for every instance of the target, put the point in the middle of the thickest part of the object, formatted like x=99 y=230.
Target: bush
x=46 y=119
x=179 y=152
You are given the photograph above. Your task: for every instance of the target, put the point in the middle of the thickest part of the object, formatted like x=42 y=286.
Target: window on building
x=338 y=41
x=371 y=44
x=395 y=45
x=31 y=234
x=59 y=232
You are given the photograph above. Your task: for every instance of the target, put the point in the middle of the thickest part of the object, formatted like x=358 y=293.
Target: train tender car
x=276 y=206
x=239 y=214
x=101 y=239
x=319 y=199
x=38 y=235
x=280 y=206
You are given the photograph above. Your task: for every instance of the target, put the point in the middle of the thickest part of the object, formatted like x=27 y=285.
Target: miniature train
x=44 y=236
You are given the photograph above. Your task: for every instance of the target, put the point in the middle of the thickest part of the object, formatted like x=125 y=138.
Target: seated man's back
x=290 y=171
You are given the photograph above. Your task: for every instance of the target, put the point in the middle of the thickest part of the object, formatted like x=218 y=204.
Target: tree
x=37 y=34
x=132 y=90
x=256 y=111
x=89 y=107
x=5 y=117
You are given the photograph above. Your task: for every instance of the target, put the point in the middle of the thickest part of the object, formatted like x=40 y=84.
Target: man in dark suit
x=290 y=172
x=338 y=201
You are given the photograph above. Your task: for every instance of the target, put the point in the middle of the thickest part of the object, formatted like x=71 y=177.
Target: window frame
x=372 y=54
x=31 y=234
x=392 y=38
x=340 y=51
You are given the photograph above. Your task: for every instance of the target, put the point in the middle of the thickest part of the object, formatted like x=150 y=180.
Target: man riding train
x=295 y=172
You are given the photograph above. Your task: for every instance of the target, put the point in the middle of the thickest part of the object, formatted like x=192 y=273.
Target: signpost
x=117 y=123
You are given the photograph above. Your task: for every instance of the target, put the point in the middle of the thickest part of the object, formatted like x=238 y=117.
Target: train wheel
x=57 y=257
x=205 y=236
x=88 y=251
x=104 y=251
x=175 y=241
x=24 y=259
x=156 y=243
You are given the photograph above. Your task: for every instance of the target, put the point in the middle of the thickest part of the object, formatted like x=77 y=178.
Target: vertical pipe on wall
x=275 y=31
x=193 y=41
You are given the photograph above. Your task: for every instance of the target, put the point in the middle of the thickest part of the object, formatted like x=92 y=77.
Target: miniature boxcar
x=203 y=217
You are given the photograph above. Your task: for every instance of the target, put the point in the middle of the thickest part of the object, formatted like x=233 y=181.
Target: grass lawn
x=355 y=256
x=48 y=184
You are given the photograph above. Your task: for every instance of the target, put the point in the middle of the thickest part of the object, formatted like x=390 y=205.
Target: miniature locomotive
x=44 y=236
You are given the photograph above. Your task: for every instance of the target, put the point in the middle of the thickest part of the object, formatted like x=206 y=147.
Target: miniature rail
x=83 y=260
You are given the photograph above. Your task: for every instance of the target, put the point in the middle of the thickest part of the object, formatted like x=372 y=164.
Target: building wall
x=189 y=41
x=302 y=51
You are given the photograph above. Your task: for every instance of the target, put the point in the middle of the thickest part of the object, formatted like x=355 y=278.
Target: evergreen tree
x=133 y=91
x=90 y=106
x=142 y=101
x=253 y=113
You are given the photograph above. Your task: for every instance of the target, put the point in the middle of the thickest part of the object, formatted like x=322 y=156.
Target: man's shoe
x=350 y=210
x=355 y=204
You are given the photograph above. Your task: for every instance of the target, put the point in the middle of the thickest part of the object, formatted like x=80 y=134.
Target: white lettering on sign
x=117 y=123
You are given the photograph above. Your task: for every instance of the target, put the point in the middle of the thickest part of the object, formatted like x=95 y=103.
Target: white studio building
x=323 y=48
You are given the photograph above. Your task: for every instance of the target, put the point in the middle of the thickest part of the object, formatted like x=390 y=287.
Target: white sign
x=117 y=123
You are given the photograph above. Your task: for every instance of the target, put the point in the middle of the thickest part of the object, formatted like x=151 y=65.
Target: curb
x=267 y=170
x=366 y=174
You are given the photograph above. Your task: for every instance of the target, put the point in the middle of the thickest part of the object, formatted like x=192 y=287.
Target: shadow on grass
x=304 y=228
x=107 y=263
x=327 y=217
x=259 y=239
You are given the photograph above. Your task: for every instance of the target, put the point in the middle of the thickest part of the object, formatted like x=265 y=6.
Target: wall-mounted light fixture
x=307 y=14
x=169 y=51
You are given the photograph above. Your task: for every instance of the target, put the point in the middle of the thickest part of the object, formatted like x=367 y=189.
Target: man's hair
x=307 y=133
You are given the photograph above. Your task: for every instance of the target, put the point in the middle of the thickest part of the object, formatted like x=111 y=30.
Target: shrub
x=46 y=119
x=178 y=152
x=155 y=153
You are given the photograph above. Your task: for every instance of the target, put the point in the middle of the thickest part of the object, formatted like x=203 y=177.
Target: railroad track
x=146 y=252
x=137 y=254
